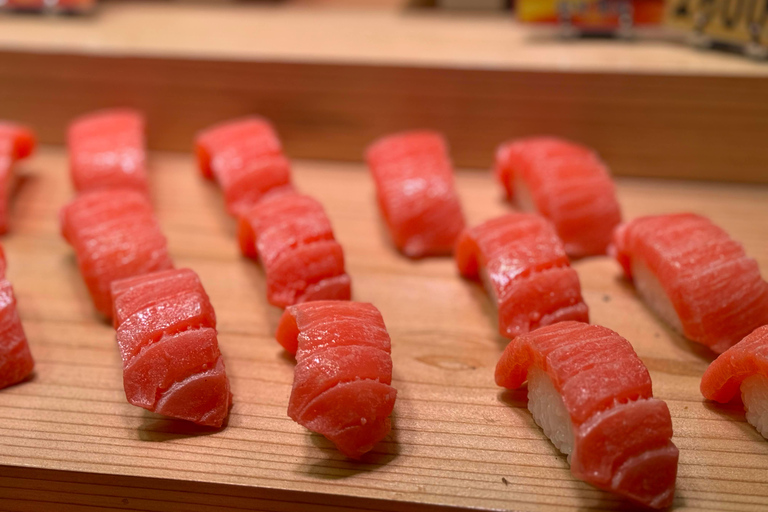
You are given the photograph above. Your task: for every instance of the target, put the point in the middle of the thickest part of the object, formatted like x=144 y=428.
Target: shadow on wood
x=158 y=429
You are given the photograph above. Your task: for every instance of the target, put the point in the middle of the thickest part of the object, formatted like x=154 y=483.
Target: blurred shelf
x=415 y=37
x=333 y=79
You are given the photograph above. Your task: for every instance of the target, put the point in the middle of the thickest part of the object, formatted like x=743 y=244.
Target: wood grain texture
x=458 y=440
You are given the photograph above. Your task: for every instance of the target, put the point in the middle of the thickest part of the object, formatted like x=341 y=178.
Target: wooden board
x=458 y=440
x=333 y=80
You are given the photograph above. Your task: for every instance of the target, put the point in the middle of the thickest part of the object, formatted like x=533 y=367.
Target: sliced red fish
x=416 y=193
x=246 y=159
x=526 y=271
x=592 y=396
x=107 y=150
x=99 y=207
x=16 y=361
x=135 y=293
x=16 y=142
x=189 y=310
x=566 y=183
x=292 y=236
x=742 y=368
x=694 y=276
x=341 y=386
x=167 y=339
x=115 y=235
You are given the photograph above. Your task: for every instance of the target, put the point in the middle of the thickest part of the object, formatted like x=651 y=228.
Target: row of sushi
x=587 y=388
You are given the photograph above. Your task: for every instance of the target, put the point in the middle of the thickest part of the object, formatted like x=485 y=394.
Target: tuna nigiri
x=341 y=386
x=107 y=150
x=292 y=236
x=16 y=361
x=415 y=191
x=743 y=367
x=246 y=158
x=694 y=276
x=566 y=183
x=115 y=235
x=591 y=395
x=16 y=142
x=525 y=269
x=166 y=332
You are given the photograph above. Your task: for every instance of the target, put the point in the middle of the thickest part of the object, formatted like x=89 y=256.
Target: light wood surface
x=332 y=80
x=458 y=440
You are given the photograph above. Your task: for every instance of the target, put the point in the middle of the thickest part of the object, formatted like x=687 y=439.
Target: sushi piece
x=342 y=382
x=115 y=235
x=246 y=159
x=166 y=332
x=592 y=397
x=107 y=150
x=292 y=236
x=743 y=367
x=525 y=270
x=566 y=183
x=693 y=276
x=16 y=361
x=415 y=191
x=16 y=142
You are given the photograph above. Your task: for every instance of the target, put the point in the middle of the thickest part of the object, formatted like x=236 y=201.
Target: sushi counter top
x=333 y=80
x=69 y=436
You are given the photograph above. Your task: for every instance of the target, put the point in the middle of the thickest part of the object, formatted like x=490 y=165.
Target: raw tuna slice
x=566 y=183
x=16 y=142
x=341 y=386
x=292 y=236
x=135 y=293
x=694 y=276
x=167 y=339
x=415 y=191
x=115 y=235
x=246 y=158
x=15 y=358
x=525 y=269
x=743 y=367
x=107 y=150
x=591 y=395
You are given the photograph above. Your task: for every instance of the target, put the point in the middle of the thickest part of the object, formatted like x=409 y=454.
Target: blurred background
x=673 y=89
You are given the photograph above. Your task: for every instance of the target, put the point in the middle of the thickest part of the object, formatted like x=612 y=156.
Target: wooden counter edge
x=669 y=126
x=29 y=489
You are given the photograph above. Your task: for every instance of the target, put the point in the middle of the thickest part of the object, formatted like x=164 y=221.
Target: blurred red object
x=47 y=5
x=592 y=14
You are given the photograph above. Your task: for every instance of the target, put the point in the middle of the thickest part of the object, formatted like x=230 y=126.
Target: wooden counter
x=333 y=80
x=70 y=441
